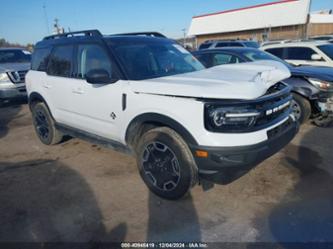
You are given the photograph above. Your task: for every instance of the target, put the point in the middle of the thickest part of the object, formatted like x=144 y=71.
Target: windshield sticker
x=26 y=52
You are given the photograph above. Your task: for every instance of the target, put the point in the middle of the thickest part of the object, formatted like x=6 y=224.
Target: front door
x=96 y=108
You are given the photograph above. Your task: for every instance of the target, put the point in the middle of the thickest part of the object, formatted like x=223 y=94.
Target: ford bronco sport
x=146 y=95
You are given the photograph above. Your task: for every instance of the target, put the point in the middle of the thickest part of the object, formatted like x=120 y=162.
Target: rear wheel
x=166 y=163
x=45 y=125
x=301 y=108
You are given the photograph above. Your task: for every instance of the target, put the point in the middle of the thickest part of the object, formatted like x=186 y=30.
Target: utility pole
x=184 y=41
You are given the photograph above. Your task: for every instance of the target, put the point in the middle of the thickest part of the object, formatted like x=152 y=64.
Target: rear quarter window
x=40 y=59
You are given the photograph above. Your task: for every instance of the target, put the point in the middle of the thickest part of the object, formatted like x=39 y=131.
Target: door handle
x=47 y=86
x=78 y=91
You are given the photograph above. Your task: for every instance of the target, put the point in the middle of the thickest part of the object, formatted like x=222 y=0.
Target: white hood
x=232 y=81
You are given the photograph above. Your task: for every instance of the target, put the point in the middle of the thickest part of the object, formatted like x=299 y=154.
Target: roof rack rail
x=153 y=34
x=92 y=32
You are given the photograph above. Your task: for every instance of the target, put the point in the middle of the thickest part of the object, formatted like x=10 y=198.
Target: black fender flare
x=161 y=120
x=33 y=97
x=303 y=91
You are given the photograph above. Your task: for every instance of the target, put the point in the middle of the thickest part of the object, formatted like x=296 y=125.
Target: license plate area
x=275 y=132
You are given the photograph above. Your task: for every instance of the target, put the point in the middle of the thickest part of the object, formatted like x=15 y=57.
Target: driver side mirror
x=316 y=57
x=99 y=76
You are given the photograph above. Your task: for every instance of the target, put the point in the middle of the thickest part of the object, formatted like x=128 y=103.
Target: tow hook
x=206 y=185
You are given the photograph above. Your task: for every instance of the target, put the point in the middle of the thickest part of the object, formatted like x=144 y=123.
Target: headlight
x=321 y=84
x=230 y=118
x=4 y=78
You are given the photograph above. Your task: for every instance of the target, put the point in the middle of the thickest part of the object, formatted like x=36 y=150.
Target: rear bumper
x=11 y=93
x=225 y=164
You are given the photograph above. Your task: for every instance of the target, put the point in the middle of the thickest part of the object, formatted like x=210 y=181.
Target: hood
x=10 y=67
x=322 y=73
x=232 y=81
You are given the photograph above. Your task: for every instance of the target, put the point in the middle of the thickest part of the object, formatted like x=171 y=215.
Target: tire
x=301 y=108
x=166 y=163
x=45 y=125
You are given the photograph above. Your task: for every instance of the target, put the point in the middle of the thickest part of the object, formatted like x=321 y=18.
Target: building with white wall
x=287 y=19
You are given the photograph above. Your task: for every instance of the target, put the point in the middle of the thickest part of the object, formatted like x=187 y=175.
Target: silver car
x=14 y=64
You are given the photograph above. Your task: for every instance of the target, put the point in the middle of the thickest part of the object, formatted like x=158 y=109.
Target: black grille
x=17 y=76
x=279 y=129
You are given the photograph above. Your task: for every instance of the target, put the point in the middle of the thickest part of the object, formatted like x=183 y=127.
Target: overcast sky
x=26 y=21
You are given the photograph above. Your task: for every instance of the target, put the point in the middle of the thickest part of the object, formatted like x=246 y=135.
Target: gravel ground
x=81 y=192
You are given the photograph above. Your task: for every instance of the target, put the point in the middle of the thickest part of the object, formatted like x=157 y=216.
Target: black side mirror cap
x=99 y=76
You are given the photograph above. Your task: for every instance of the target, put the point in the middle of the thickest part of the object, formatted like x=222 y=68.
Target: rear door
x=57 y=83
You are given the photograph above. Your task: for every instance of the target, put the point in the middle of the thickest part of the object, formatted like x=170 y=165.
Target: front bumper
x=12 y=93
x=326 y=105
x=226 y=164
x=322 y=102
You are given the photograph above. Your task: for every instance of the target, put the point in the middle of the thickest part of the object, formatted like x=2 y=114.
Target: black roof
x=12 y=48
x=228 y=40
x=95 y=35
x=226 y=49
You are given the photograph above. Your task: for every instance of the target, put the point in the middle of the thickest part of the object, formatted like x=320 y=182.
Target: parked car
x=150 y=97
x=312 y=86
x=14 y=64
x=328 y=38
x=273 y=42
x=228 y=43
x=314 y=53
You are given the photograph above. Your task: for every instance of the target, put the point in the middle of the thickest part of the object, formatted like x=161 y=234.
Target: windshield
x=251 y=44
x=327 y=49
x=147 y=60
x=257 y=55
x=14 y=56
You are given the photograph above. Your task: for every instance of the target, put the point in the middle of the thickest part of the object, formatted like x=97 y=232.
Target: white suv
x=314 y=53
x=150 y=97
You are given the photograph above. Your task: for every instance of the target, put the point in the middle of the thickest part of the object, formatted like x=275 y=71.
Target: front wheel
x=166 y=164
x=301 y=108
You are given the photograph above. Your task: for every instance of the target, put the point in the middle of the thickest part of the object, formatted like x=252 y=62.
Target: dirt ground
x=81 y=192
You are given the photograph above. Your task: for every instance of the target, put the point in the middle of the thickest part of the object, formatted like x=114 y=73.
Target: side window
x=91 y=57
x=205 y=59
x=299 y=53
x=235 y=44
x=222 y=44
x=278 y=52
x=204 y=45
x=60 y=63
x=220 y=59
x=40 y=59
